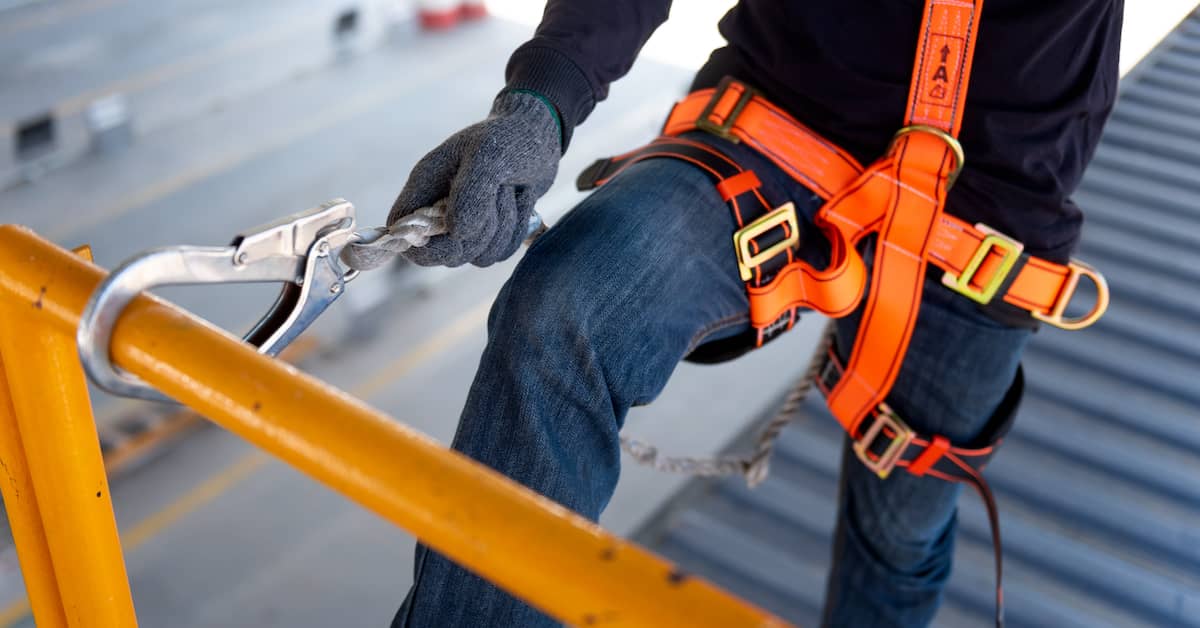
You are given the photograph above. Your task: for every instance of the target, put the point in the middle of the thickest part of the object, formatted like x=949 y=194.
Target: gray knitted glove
x=490 y=174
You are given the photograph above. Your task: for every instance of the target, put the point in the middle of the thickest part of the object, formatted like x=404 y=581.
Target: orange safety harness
x=900 y=198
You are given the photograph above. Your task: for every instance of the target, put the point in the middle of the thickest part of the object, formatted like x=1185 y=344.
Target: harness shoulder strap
x=942 y=68
x=918 y=170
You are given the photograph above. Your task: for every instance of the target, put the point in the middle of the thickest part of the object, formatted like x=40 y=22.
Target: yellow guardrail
x=58 y=501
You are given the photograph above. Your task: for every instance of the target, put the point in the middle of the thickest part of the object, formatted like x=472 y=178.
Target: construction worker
x=641 y=274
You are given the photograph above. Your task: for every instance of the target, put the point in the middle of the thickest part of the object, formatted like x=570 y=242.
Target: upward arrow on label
x=945 y=53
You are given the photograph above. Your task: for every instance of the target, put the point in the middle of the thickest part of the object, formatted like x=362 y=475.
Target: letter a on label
x=942 y=69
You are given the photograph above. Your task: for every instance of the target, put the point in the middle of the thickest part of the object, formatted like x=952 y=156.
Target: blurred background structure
x=128 y=124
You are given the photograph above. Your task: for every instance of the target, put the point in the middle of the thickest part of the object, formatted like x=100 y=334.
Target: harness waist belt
x=978 y=261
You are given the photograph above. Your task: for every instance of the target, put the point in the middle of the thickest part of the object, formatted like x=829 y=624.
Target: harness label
x=942 y=70
x=943 y=62
x=780 y=325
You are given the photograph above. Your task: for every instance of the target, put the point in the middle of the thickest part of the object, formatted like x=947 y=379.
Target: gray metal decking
x=1099 y=484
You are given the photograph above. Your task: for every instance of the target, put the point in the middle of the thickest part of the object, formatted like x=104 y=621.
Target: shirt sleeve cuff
x=553 y=75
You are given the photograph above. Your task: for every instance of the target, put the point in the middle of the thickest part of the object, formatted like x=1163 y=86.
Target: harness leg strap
x=888 y=443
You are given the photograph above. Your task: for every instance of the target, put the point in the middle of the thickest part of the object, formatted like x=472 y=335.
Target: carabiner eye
x=301 y=251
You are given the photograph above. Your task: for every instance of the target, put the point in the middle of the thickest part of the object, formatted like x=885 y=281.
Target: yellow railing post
x=20 y=502
x=54 y=418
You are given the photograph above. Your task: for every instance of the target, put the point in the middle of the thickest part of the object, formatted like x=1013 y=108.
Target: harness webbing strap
x=942 y=69
x=812 y=160
x=980 y=256
x=918 y=173
x=937 y=457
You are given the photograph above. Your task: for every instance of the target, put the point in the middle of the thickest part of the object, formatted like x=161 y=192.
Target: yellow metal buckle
x=993 y=240
x=748 y=260
x=902 y=435
x=960 y=157
x=1057 y=316
x=725 y=129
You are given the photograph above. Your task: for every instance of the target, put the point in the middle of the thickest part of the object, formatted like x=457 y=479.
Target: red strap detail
x=930 y=456
x=737 y=184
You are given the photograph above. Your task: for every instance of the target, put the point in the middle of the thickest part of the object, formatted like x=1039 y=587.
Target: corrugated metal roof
x=1099 y=484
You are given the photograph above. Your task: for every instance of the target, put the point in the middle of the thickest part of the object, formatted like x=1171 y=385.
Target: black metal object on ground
x=35 y=137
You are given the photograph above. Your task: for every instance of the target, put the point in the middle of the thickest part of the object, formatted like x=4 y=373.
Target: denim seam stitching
x=715 y=326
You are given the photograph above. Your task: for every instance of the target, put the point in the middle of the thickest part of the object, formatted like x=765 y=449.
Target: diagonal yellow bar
x=560 y=562
x=54 y=416
x=20 y=503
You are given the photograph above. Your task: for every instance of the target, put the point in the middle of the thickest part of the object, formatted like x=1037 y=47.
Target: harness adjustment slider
x=885 y=422
x=783 y=216
x=724 y=130
x=992 y=241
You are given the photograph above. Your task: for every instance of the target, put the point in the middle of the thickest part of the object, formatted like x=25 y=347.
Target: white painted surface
x=1146 y=23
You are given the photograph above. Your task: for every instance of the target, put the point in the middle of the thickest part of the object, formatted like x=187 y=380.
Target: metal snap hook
x=301 y=251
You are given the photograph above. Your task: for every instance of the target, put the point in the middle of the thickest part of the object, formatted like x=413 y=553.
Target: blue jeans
x=594 y=320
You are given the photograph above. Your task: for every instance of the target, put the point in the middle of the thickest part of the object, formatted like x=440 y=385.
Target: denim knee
x=905 y=524
x=546 y=304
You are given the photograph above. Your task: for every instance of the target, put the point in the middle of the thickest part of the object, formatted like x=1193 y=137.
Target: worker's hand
x=490 y=175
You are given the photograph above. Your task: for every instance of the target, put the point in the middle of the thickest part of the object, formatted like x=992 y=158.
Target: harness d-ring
x=1057 y=315
x=960 y=157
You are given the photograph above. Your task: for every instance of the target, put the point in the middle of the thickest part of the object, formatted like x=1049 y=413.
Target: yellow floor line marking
x=212 y=488
x=149 y=527
x=445 y=338
x=117 y=408
x=14 y=613
x=192 y=63
x=225 y=479
x=342 y=111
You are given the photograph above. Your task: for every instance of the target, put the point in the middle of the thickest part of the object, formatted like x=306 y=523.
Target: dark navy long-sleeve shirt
x=1044 y=81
